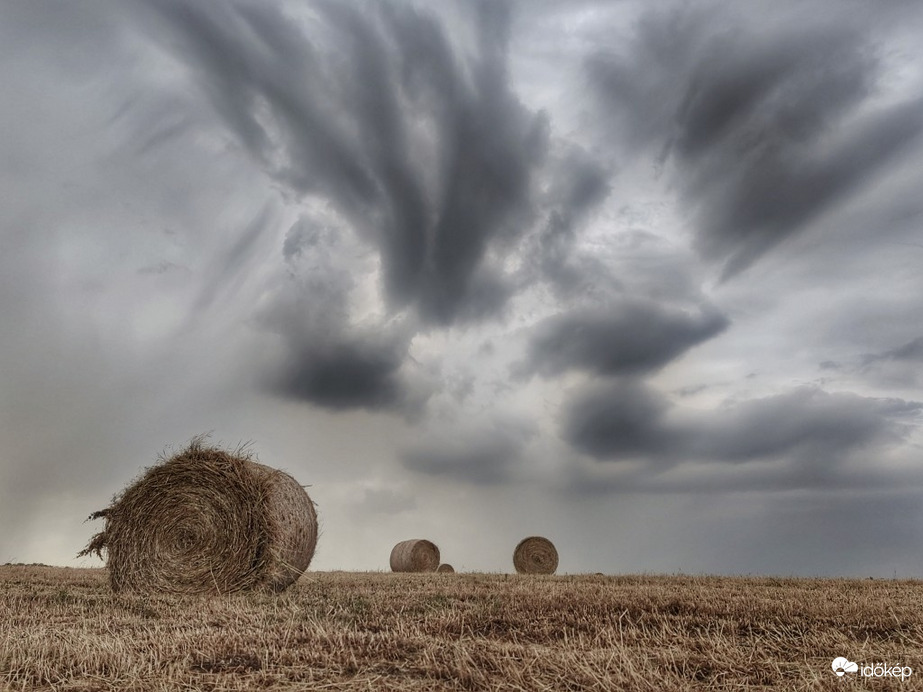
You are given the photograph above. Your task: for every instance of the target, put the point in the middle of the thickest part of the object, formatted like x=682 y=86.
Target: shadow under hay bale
x=415 y=555
x=207 y=520
x=535 y=555
x=445 y=568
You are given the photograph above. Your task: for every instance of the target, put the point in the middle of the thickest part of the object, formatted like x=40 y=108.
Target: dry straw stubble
x=535 y=555
x=208 y=520
x=415 y=555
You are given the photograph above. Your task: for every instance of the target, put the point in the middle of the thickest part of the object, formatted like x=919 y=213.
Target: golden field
x=63 y=629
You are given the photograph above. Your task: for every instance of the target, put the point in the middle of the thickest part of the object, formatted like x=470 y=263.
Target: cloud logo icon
x=842 y=665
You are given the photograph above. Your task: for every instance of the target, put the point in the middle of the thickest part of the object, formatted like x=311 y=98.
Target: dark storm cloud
x=345 y=375
x=422 y=146
x=327 y=361
x=768 y=125
x=784 y=189
x=481 y=456
x=348 y=369
x=618 y=421
x=622 y=418
x=809 y=422
x=626 y=338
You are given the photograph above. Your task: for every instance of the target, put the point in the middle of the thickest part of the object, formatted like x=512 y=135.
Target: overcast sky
x=644 y=278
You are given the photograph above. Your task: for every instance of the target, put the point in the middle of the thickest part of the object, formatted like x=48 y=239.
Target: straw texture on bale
x=207 y=520
x=415 y=555
x=445 y=568
x=535 y=555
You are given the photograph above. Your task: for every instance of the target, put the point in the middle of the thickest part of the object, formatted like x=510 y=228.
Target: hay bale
x=415 y=555
x=207 y=520
x=445 y=568
x=535 y=555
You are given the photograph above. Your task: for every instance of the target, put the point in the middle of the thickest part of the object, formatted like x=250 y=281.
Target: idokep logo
x=842 y=665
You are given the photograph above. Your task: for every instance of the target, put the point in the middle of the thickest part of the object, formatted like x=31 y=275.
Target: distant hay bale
x=415 y=555
x=207 y=520
x=445 y=568
x=535 y=555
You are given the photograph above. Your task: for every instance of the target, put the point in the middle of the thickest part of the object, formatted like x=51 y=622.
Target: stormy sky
x=644 y=278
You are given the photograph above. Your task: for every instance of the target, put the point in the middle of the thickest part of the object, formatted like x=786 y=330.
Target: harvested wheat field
x=65 y=629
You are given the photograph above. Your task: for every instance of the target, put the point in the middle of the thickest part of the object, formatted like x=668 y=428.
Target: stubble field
x=62 y=629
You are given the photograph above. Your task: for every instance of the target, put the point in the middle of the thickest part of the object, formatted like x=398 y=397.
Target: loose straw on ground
x=207 y=520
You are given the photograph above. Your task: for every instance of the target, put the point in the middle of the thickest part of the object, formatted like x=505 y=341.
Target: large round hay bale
x=208 y=520
x=415 y=555
x=535 y=555
x=445 y=568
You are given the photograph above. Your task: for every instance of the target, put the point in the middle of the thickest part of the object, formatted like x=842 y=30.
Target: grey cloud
x=639 y=90
x=578 y=183
x=387 y=501
x=343 y=374
x=849 y=532
x=617 y=420
x=786 y=88
x=482 y=455
x=626 y=338
x=461 y=386
x=85 y=40
x=162 y=267
x=895 y=367
x=815 y=429
x=762 y=121
x=581 y=184
x=807 y=421
x=557 y=260
x=300 y=237
x=428 y=153
x=784 y=188
x=418 y=144
x=912 y=351
x=692 y=390
x=224 y=275
x=326 y=360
